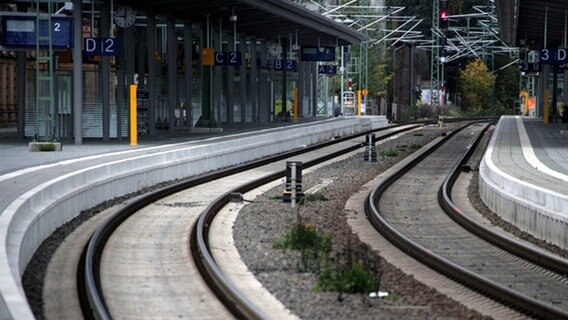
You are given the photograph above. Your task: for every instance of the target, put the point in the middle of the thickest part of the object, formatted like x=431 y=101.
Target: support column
x=314 y=88
x=243 y=82
x=172 y=74
x=230 y=84
x=21 y=109
x=151 y=86
x=301 y=86
x=105 y=72
x=129 y=55
x=218 y=80
x=77 y=72
x=253 y=82
x=188 y=74
x=265 y=85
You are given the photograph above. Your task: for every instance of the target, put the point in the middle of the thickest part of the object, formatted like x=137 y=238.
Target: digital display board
x=19 y=31
x=317 y=54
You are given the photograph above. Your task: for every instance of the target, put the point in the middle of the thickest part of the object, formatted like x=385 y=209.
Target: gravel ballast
x=264 y=222
x=260 y=224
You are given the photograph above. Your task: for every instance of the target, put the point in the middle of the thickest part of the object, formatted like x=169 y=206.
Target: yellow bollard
x=133 y=116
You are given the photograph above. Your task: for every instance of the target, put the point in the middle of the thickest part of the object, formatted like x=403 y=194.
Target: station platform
x=41 y=191
x=523 y=177
x=14 y=152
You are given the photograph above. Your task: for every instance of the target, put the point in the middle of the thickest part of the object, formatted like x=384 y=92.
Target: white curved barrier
x=539 y=211
x=32 y=217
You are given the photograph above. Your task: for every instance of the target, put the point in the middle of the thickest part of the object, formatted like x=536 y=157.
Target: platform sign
x=554 y=56
x=329 y=69
x=19 y=31
x=288 y=65
x=101 y=47
x=317 y=54
x=530 y=67
x=231 y=58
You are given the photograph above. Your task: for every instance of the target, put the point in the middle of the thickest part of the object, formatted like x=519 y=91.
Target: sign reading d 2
x=554 y=56
x=101 y=47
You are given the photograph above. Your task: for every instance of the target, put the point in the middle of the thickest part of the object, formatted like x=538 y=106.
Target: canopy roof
x=262 y=19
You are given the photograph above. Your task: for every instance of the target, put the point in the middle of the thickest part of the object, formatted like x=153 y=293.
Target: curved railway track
x=414 y=210
x=92 y=295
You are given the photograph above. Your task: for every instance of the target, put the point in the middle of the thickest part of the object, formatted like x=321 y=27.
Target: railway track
x=193 y=202
x=413 y=209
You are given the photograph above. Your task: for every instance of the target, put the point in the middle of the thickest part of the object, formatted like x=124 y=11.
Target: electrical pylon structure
x=384 y=26
x=474 y=34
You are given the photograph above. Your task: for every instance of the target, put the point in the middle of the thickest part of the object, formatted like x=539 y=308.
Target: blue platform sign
x=232 y=58
x=327 y=69
x=554 y=56
x=317 y=54
x=101 y=47
x=531 y=67
x=288 y=65
x=19 y=31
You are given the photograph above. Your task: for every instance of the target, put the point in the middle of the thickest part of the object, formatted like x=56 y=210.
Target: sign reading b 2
x=554 y=56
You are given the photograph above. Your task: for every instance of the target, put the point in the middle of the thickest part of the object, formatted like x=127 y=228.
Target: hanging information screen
x=19 y=31
x=318 y=54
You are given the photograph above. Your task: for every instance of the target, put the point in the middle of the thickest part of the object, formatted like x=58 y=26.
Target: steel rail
x=90 y=291
x=539 y=257
x=450 y=269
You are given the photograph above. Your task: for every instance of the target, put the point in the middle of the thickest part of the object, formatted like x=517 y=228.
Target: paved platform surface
x=14 y=152
x=524 y=177
x=534 y=152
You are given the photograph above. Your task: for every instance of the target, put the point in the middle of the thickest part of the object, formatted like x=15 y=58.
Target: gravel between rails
x=260 y=224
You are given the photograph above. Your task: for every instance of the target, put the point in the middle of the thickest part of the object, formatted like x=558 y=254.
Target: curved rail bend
x=452 y=270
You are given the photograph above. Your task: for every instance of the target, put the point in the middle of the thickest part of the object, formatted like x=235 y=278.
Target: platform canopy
x=262 y=19
x=526 y=21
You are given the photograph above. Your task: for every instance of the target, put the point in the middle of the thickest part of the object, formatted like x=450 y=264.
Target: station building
x=197 y=65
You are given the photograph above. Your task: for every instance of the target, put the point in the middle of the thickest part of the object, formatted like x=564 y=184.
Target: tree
x=477 y=84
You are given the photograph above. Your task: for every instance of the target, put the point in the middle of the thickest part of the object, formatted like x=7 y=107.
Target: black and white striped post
x=293 y=192
x=370 y=153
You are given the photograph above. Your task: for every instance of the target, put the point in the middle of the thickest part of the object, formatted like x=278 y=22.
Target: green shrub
x=47 y=147
x=305 y=237
x=415 y=146
x=353 y=280
x=313 y=245
x=388 y=153
x=311 y=197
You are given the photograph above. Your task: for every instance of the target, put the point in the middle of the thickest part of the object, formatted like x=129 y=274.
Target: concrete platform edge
x=531 y=208
x=31 y=218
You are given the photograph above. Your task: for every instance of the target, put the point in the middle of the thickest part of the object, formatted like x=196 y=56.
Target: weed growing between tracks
x=261 y=224
x=315 y=248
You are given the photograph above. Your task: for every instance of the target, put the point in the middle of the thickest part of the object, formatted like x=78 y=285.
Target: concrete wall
x=538 y=211
x=32 y=217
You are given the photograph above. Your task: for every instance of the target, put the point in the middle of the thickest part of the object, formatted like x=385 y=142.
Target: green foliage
x=305 y=236
x=313 y=245
x=353 y=280
x=415 y=146
x=379 y=78
x=477 y=84
x=47 y=147
x=311 y=197
x=507 y=84
x=388 y=153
